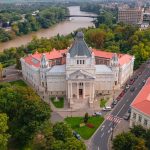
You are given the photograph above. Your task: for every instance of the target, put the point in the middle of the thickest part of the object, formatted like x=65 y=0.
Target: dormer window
x=81 y=62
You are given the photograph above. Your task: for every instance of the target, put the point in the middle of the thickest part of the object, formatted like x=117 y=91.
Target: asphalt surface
x=105 y=132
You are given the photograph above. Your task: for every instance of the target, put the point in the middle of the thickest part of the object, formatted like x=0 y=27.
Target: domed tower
x=115 y=67
x=80 y=56
x=43 y=69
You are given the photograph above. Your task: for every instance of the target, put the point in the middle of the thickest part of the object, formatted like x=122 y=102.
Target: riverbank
x=62 y=28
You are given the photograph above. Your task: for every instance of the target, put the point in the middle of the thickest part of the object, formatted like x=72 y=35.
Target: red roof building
x=141 y=106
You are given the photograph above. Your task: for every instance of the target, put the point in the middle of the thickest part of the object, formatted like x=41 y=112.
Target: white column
x=90 y=90
x=68 y=90
x=71 y=89
x=93 y=90
x=77 y=90
x=83 y=90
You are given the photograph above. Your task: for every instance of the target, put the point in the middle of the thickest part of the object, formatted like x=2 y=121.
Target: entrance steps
x=80 y=103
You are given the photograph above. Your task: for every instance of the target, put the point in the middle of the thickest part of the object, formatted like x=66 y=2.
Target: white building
x=140 y=107
x=79 y=73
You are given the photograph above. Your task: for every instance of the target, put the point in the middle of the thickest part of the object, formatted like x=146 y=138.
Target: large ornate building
x=79 y=73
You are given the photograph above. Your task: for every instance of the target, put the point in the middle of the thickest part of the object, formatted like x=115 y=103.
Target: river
x=62 y=28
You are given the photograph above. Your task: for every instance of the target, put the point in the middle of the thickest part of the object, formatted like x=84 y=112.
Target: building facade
x=140 y=107
x=130 y=15
x=79 y=73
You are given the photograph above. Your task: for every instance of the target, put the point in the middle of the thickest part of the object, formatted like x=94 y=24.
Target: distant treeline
x=23 y=19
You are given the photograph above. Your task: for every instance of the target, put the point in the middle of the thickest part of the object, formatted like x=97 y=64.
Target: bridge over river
x=89 y=16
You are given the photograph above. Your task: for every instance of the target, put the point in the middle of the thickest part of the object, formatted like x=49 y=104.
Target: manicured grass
x=59 y=103
x=84 y=131
x=19 y=82
x=103 y=102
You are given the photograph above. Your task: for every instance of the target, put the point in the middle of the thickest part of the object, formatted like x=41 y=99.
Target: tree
x=74 y=144
x=3 y=128
x=140 y=145
x=26 y=112
x=1 y=71
x=125 y=141
x=62 y=131
x=44 y=137
x=138 y=131
x=86 y=117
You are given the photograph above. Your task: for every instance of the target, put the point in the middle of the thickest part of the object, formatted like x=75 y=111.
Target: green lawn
x=19 y=82
x=84 y=131
x=59 y=103
x=103 y=102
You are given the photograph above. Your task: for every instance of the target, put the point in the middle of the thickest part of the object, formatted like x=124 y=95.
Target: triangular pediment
x=81 y=75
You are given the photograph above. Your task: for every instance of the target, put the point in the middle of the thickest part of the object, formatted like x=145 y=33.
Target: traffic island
x=86 y=130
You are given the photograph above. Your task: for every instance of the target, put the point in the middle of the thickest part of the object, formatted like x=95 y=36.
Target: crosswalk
x=114 y=119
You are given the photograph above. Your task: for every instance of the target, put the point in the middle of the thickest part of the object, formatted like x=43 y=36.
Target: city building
x=140 y=107
x=78 y=73
x=130 y=15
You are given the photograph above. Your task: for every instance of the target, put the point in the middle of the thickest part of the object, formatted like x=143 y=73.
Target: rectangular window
x=80 y=61
x=83 y=61
x=134 y=115
x=77 y=61
x=140 y=118
x=145 y=122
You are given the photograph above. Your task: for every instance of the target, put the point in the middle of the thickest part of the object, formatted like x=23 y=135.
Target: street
x=100 y=139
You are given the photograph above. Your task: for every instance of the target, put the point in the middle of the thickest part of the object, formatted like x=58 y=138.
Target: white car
x=107 y=108
x=97 y=114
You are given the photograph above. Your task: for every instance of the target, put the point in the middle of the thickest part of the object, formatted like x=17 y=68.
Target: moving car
x=76 y=135
x=132 y=89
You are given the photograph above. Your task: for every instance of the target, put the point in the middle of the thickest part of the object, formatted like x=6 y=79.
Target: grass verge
x=19 y=82
x=84 y=131
x=58 y=103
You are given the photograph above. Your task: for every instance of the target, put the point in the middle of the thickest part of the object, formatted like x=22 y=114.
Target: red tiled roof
x=123 y=58
x=54 y=54
x=36 y=57
x=102 y=54
x=142 y=100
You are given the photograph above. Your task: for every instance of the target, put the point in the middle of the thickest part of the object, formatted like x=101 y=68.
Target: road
x=100 y=139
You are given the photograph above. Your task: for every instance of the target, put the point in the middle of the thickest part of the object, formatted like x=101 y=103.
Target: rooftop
x=102 y=69
x=79 y=47
x=142 y=100
x=35 y=59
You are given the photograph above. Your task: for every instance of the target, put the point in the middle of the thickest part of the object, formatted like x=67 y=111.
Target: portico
x=80 y=87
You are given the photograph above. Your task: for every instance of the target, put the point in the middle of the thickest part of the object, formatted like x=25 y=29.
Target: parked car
x=126 y=116
x=115 y=102
x=127 y=86
x=76 y=135
x=129 y=110
x=131 y=81
x=136 y=77
x=97 y=114
x=132 y=89
x=143 y=82
x=140 y=73
x=107 y=108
